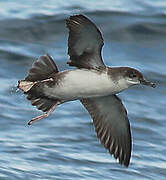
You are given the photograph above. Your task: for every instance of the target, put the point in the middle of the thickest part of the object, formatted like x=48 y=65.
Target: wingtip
x=73 y=17
x=76 y=15
x=126 y=161
x=123 y=160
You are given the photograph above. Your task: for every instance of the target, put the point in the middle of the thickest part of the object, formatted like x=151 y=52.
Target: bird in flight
x=91 y=82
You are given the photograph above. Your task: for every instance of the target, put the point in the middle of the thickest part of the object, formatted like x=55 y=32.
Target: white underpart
x=83 y=83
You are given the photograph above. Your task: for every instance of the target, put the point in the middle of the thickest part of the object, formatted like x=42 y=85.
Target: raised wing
x=84 y=43
x=112 y=125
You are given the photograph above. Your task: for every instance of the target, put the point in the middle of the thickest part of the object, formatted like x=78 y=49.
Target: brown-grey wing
x=112 y=125
x=84 y=43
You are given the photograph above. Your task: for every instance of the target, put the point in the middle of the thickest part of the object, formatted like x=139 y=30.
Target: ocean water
x=64 y=146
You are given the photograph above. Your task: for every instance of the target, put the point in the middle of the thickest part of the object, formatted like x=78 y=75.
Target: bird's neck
x=116 y=77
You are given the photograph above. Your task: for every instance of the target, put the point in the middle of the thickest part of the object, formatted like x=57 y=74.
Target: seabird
x=92 y=82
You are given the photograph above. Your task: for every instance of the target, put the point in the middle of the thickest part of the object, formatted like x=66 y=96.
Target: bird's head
x=134 y=77
x=127 y=77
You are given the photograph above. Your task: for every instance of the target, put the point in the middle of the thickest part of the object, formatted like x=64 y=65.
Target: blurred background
x=65 y=146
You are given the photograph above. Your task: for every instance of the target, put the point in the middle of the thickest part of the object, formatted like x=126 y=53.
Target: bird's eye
x=132 y=75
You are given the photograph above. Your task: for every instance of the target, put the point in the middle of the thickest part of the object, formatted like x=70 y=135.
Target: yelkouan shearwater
x=92 y=82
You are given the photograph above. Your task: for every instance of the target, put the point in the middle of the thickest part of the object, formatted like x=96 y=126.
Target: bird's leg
x=38 y=118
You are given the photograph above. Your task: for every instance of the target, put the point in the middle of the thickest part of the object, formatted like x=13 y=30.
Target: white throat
x=123 y=84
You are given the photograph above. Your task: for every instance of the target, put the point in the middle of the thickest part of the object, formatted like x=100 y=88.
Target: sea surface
x=64 y=146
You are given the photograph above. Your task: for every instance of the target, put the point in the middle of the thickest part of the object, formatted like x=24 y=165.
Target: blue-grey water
x=65 y=146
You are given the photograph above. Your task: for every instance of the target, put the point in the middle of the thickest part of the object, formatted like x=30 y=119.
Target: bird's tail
x=44 y=69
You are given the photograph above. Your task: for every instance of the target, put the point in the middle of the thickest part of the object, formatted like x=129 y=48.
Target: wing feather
x=84 y=43
x=112 y=125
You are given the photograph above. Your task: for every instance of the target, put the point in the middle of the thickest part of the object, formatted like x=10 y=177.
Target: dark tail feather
x=41 y=102
x=42 y=69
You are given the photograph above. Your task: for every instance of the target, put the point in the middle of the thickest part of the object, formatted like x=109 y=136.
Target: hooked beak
x=147 y=83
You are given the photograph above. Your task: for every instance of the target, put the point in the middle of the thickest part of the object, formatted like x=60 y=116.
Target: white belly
x=82 y=83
